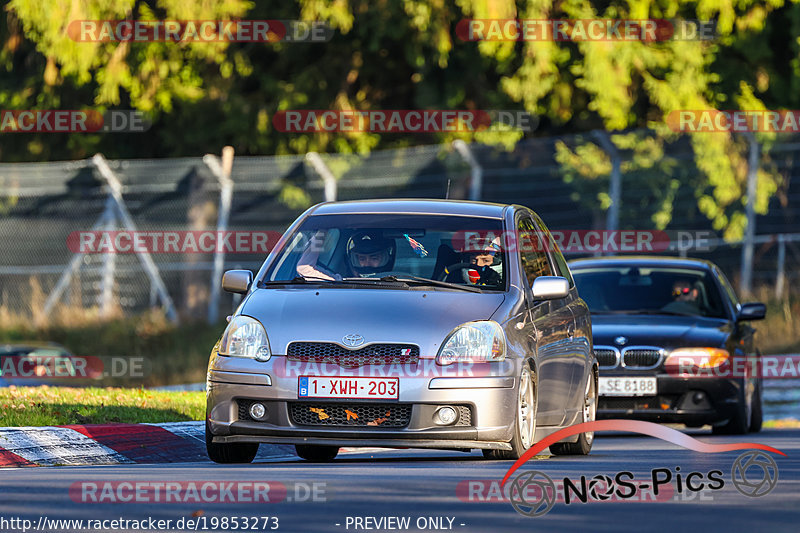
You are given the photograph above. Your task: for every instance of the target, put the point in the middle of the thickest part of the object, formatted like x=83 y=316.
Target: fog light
x=263 y=354
x=258 y=411
x=446 y=415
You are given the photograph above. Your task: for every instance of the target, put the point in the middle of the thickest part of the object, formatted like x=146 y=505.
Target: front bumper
x=693 y=401
x=486 y=407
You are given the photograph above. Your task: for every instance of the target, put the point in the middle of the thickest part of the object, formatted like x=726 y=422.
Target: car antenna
x=447 y=194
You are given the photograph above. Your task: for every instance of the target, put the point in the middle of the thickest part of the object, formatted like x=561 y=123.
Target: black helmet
x=366 y=243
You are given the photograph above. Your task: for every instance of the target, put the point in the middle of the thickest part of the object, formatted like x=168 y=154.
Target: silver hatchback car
x=404 y=323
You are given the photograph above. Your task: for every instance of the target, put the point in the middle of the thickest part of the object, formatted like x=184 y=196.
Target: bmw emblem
x=621 y=340
x=352 y=340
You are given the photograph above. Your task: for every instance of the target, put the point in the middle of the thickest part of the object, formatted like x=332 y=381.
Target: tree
x=405 y=54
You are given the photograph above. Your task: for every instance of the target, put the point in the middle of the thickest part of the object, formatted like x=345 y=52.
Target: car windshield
x=650 y=290
x=394 y=248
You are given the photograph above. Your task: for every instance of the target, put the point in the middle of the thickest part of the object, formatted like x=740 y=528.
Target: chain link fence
x=42 y=204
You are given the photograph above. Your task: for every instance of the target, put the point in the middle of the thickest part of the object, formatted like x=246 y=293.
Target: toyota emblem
x=352 y=341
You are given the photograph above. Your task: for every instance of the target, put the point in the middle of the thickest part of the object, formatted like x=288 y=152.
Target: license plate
x=323 y=387
x=627 y=387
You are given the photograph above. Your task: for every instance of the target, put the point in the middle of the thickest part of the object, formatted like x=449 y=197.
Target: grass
x=783 y=423
x=779 y=332
x=52 y=406
x=172 y=354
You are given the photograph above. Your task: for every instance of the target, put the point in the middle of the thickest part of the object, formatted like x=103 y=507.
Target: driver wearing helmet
x=370 y=253
x=480 y=260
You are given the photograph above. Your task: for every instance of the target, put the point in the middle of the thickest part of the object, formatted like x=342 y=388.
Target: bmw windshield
x=649 y=290
x=394 y=248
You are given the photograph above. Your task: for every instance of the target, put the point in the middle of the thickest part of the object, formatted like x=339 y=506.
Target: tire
x=757 y=415
x=741 y=421
x=315 y=453
x=240 y=452
x=524 y=421
x=585 y=440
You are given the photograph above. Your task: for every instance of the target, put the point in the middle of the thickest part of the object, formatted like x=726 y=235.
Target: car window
x=652 y=290
x=728 y=288
x=561 y=267
x=531 y=251
x=455 y=249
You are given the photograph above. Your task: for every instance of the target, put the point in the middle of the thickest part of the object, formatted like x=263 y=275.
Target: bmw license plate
x=348 y=387
x=627 y=386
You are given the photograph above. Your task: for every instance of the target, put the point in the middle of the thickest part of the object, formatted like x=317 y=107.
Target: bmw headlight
x=245 y=337
x=475 y=342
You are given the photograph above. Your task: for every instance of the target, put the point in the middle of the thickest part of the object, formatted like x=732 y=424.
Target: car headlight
x=475 y=342
x=245 y=337
x=693 y=358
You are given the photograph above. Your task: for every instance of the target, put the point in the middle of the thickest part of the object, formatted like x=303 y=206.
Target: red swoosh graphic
x=636 y=426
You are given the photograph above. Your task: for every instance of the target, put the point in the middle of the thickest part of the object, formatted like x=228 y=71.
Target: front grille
x=372 y=354
x=641 y=357
x=387 y=415
x=606 y=357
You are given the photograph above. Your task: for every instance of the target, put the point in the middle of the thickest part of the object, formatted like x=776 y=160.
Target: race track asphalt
x=432 y=489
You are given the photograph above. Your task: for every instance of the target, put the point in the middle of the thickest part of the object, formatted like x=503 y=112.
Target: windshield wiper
x=432 y=282
x=297 y=280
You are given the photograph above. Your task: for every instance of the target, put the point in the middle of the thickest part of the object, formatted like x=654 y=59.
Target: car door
x=579 y=334
x=550 y=322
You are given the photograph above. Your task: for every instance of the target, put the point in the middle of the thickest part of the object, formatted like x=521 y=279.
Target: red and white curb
x=108 y=444
x=111 y=444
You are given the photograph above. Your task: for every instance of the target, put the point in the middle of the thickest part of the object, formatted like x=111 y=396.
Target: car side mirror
x=751 y=311
x=550 y=288
x=237 y=281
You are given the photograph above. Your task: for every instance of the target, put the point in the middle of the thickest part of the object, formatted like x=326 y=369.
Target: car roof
x=641 y=261
x=417 y=206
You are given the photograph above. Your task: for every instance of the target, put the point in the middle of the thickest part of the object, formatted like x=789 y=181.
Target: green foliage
x=404 y=54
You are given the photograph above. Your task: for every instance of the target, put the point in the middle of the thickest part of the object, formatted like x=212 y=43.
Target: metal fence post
x=750 y=210
x=115 y=188
x=66 y=276
x=109 y=263
x=476 y=170
x=223 y=173
x=328 y=179
x=615 y=185
x=780 y=278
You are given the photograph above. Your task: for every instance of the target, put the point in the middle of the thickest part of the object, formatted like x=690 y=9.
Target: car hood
x=323 y=314
x=659 y=330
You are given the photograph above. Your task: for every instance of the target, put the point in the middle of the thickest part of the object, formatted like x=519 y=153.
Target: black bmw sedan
x=673 y=341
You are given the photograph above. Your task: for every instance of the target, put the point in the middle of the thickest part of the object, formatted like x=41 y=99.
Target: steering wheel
x=453 y=268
